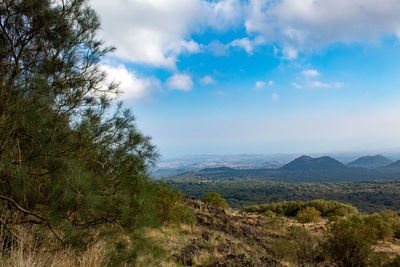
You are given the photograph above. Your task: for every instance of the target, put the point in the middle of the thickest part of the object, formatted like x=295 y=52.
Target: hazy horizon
x=339 y=155
x=364 y=152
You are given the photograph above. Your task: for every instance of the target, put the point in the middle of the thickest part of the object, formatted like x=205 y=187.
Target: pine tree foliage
x=69 y=159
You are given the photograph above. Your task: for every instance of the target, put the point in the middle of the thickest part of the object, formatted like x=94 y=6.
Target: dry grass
x=171 y=239
x=390 y=248
x=26 y=252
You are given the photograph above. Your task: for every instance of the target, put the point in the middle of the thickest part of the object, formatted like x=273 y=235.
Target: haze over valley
x=167 y=167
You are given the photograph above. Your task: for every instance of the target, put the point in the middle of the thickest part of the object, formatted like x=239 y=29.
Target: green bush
x=327 y=208
x=182 y=214
x=171 y=208
x=166 y=199
x=394 y=219
x=307 y=215
x=349 y=242
x=299 y=247
x=275 y=223
x=380 y=228
x=330 y=208
x=269 y=214
x=285 y=208
x=215 y=199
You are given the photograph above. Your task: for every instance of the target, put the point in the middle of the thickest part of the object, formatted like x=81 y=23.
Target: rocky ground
x=232 y=238
x=237 y=239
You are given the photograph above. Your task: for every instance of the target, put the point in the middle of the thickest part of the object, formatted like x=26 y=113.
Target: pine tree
x=70 y=161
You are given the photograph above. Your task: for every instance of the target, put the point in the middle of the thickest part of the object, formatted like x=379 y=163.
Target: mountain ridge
x=371 y=161
x=307 y=163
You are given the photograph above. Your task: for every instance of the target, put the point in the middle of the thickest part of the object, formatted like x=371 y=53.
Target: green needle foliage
x=70 y=160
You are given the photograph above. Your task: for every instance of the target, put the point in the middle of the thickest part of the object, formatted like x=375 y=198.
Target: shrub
x=330 y=208
x=269 y=214
x=394 y=219
x=171 y=208
x=166 y=199
x=275 y=223
x=299 y=247
x=215 y=199
x=394 y=262
x=182 y=214
x=380 y=228
x=327 y=208
x=349 y=242
x=307 y=215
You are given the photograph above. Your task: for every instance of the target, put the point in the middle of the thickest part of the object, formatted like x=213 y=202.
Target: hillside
x=260 y=236
x=371 y=161
x=232 y=238
x=306 y=163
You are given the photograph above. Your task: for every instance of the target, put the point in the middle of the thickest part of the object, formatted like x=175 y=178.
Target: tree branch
x=21 y=208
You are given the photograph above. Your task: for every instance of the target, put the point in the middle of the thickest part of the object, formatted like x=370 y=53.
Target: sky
x=257 y=76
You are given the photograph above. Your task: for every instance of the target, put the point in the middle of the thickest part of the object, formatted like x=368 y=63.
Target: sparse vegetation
x=216 y=200
x=308 y=215
x=299 y=246
x=292 y=208
x=350 y=242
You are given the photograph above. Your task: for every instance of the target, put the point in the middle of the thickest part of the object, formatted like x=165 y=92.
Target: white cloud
x=207 y=80
x=180 y=82
x=244 y=43
x=247 y=44
x=311 y=73
x=317 y=84
x=271 y=82
x=298 y=86
x=225 y=13
x=275 y=97
x=156 y=32
x=259 y=84
x=131 y=86
x=308 y=81
x=325 y=85
x=298 y=26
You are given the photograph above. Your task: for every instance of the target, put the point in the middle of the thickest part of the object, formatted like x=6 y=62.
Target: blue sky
x=258 y=76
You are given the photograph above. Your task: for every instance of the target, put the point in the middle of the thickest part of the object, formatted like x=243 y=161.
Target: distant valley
x=306 y=169
x=366 y=182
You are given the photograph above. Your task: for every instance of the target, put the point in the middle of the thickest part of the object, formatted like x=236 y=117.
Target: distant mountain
x=395 y=164
x=302 y=169
x=217 y=169
x=371 y=161
x=306 y=163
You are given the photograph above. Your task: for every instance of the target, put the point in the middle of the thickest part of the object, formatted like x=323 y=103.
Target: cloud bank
x=156 y=32
x=304 y=25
